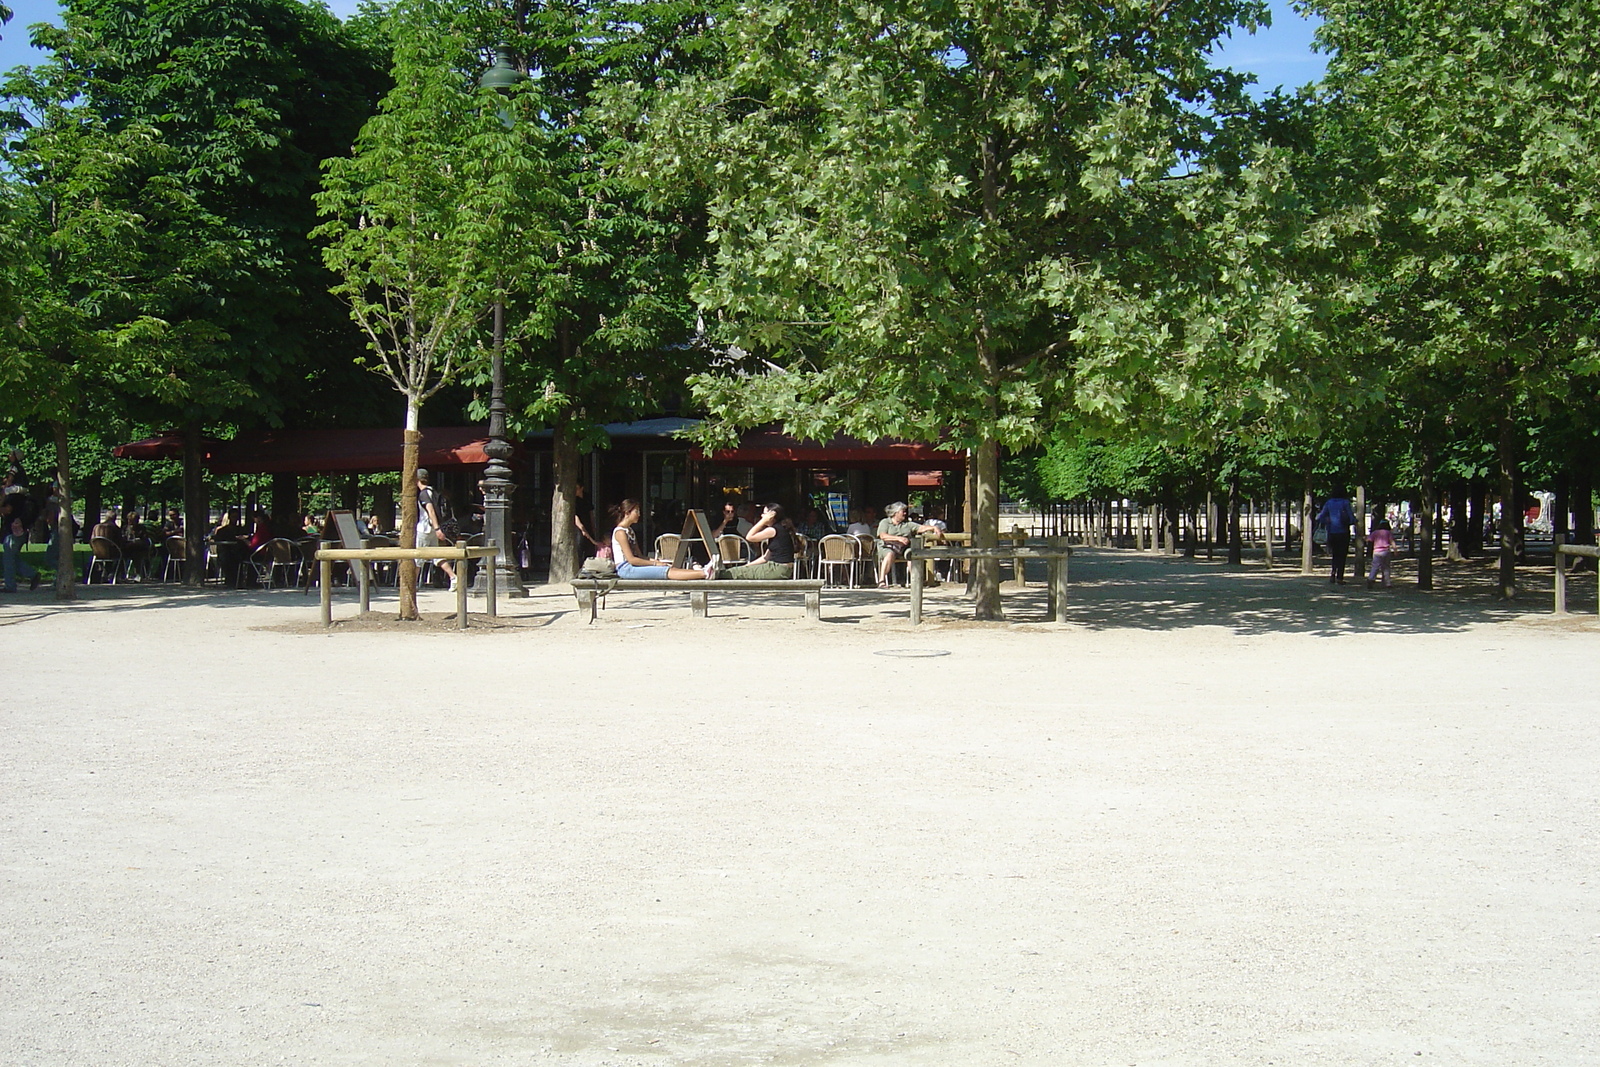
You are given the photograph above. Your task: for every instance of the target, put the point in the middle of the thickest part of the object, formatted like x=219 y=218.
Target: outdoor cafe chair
x=177 y=550
x=278 y=555
x=733 y=548
x=836 y=553
x=104 y=557
x=667 y=546
x=802 y=555
x=867 y=558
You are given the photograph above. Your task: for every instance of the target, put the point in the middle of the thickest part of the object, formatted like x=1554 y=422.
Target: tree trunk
x=66 y=529
x=350 y=493
x=286 y=506
x=92 y=501
x=196 y=510
x=408 y=509
x=1307 y=542
x=1477 y=506
x=1458 y=519
x=1582 y=490
x=1430 y=504
x=1211 y=526
x=565 y=470
x=1235 y=533
x=986 y=531
x=383 y=505
x=1560 y=522
x=1509 y=509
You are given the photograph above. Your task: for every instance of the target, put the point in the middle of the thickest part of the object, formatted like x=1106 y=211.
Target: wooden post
x=327 y=592
x=1306 y=544
x=1561 y=578
x=366 y=585
x=1271 y=514
x=1058 y=581
x=914 y=573
x=461 y=593
x=1360 y=546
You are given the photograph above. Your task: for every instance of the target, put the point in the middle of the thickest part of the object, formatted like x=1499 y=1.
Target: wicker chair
x=104 y=557
x=836 y=553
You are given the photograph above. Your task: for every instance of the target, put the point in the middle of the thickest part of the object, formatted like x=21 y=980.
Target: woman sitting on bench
x=631 y=565
x=776 y=563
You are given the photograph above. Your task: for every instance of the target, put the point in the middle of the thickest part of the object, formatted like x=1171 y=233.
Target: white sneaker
x=454 y=583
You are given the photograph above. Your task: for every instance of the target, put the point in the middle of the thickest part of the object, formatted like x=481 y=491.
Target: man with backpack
x=429 y=521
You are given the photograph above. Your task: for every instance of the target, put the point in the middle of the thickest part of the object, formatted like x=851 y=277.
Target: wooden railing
x=1584 y=551
x=367 y=556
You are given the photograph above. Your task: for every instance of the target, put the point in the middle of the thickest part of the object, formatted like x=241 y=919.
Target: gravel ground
x=1222 y=817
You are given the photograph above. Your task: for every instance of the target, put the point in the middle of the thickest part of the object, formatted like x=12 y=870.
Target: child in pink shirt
x=1382 y=541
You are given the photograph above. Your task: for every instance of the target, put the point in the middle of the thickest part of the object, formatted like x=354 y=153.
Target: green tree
x=598 y=314
x=248 y=98
x=109 y=244
x=1464 y=133
x=441 y=183
x=939 y=218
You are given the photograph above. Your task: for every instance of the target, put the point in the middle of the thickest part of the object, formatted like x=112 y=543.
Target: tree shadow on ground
x=1130 y=590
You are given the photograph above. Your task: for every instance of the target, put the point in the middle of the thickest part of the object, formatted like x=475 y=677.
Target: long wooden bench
x=589 y=590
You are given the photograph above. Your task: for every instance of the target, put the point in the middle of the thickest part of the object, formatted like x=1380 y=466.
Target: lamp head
x=502 y=75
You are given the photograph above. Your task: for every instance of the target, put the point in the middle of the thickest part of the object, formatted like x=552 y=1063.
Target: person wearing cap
x=428 y=521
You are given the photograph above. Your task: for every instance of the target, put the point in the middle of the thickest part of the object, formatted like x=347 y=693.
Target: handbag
x=598 y=567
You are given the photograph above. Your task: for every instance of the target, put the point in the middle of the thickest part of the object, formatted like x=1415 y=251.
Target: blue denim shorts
x=628 y=570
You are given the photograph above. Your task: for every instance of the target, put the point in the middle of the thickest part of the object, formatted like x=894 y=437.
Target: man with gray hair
x=894 y=537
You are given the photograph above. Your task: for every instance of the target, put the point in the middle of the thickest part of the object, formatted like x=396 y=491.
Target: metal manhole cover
x=912 y=653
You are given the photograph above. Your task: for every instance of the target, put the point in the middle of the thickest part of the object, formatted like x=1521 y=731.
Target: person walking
x=15 y=536
x=1382 y=541
x=429 y=523
x=1338 y=517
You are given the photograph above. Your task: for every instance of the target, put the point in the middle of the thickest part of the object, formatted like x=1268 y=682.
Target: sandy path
x=1244 y=820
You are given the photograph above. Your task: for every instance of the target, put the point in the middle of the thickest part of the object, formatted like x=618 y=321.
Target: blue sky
x=1279 y=56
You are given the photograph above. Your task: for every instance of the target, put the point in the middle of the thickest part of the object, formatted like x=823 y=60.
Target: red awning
x=770 y=448
x=345 y=451
x=167 y=445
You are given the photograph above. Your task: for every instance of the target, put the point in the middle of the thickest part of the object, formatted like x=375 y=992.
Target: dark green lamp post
x=497 y=484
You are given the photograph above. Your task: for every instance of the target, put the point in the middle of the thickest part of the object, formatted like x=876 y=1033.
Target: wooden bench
x=589 y=590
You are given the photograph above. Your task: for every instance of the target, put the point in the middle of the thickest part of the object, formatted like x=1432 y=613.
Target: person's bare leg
x=684 y=574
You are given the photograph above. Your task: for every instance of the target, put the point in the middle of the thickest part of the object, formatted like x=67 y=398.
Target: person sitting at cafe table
x=729 y=523
x=776 y=563
x=107 y=528
x=894 y=537
x=136 y=546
